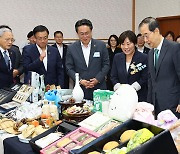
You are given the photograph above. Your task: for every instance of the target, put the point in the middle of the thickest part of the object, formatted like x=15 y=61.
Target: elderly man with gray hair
x=7 y=57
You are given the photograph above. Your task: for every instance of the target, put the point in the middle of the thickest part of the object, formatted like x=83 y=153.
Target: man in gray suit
x=89 y=58
x=164 y=68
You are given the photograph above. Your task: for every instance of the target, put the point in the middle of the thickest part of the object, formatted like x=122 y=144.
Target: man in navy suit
x=140 y=44
x=43 y=59
x=163 y=67
x=18 y=67
x=7 y=57
x=89 y=58
x=62 y=48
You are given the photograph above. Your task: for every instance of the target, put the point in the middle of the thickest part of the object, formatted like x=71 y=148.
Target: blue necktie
x=7 y=60
x=156 y=57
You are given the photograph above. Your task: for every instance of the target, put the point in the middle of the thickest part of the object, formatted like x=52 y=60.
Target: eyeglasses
x=9 y=40
x=146 y=35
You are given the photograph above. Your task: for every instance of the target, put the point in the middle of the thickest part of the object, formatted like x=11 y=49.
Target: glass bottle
x=78 y=93
x=42 y=87
x=54 y=111
x=45 y=108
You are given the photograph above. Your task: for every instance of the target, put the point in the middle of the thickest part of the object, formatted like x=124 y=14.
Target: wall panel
x=108 y=16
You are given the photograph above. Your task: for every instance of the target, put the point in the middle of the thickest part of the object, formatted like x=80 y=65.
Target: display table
x=3 y=136
x=12 y=145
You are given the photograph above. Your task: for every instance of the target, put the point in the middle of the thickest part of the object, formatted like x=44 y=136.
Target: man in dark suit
x=164 y=68
x=140 y=44
x=7 y=57
x=89 y=58
x=62 y=48
x=43 y=59
x=30 y=37
x=18 y=68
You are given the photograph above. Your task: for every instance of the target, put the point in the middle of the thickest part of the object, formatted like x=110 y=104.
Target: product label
x=98 y=106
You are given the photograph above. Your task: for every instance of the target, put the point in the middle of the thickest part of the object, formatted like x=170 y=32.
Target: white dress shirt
x=127 y=66
x=140 y=49
x=45 y=58
x=60 y=48
x=86 y=52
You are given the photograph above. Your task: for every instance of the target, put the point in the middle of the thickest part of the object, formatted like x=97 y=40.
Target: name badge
x=96 y=54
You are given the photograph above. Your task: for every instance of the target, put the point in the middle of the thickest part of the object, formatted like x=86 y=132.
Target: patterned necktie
x=6 y=58
x=156 y=57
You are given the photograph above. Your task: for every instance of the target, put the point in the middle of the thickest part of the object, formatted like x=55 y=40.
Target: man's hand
x=85 y=83
x=15 y=73
x=42 y=55
x=93 y=83
x=178 y=109
x=89 y=84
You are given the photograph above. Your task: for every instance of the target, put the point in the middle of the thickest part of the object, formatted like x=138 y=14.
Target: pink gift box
x=75 y=139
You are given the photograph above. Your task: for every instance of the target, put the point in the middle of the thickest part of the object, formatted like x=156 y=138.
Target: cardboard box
x=65 y=127
x=161 y=143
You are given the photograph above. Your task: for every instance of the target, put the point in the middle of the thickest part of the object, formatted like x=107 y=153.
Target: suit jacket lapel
x=134 y=60
x=2 y=62
x=64 y=52
x=55 y=45
x=161 y=56
x=12 y=58
x=80 y=53
x=48 y=54
x=92 y=50
x=123 y=64
x=151 y=68
x=37 y=54
x=144 y=51
x=11 y=55
x=36 y=51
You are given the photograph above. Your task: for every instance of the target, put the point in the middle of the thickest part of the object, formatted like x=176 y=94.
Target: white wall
x=108 y=16
x=156 y=8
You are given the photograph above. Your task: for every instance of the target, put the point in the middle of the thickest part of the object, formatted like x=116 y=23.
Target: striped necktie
x=156 y=57
x=7 y=60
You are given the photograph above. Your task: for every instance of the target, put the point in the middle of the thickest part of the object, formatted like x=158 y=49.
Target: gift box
x=65 y=127
x=161 y=143
x=99 y=122
x=101 y=100
x=95 y=121
x=107 y=126
x=73 y=140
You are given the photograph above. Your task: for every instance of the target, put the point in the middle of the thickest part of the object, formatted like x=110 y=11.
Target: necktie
x=156 y=53
x=6 y=58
